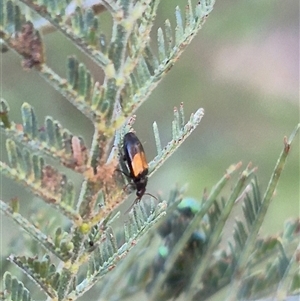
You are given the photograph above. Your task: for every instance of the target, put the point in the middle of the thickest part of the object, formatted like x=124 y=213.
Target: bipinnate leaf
x=14 y=289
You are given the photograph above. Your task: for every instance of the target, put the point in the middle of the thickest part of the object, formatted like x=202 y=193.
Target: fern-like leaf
x=14 y=290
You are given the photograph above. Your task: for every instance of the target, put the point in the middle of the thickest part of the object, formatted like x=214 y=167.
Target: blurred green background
x=242 y=68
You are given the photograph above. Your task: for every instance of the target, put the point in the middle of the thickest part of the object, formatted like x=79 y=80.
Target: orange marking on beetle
x=139 y=164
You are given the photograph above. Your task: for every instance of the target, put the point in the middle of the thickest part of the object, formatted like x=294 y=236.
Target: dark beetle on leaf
x=134 y=156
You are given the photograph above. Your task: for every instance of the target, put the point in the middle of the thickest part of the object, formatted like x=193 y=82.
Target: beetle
x=134 y=156
x=171 y=230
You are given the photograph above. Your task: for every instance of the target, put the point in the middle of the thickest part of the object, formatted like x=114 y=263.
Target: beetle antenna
x=151 y=195
x=127 y=211
x=138 y=199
